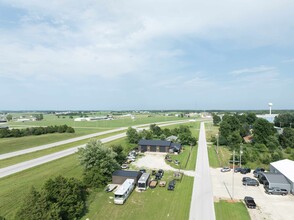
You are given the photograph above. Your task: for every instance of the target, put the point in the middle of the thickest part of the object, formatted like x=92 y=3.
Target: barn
x=286 y=168
x=120 y=176
x=158 y=146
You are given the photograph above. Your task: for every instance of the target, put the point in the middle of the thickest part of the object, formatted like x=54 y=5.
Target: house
x=158 y=146
x=120 y=176
x=248 y=139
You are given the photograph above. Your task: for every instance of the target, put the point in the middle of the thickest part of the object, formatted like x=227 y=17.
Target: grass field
x=40 y=153
x=230 y=211
x=220 y=160
x=158 y=203
x=14 y=188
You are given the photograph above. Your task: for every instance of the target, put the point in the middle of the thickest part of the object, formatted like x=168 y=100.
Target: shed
x=120 y=176
x=286 y=168
x=276 y=180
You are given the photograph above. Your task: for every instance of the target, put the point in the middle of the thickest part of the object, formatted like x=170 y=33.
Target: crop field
x=231 y=211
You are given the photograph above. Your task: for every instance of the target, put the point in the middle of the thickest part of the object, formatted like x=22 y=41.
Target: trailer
x=143 y=181
x=123 y=192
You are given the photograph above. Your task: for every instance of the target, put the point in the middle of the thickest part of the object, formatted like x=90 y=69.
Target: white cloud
x=254 y=70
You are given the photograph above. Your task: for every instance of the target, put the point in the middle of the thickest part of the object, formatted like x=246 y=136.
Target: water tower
x=270 y=107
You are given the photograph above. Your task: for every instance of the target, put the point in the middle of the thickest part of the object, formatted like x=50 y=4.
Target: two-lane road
x=202 y=205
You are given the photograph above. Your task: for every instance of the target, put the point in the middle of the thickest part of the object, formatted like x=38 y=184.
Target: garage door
x=153 y=148
x=143 y=148
x=162 y=149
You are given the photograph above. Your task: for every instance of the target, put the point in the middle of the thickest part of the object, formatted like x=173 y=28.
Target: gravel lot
x=152 y=160
x=271 y=207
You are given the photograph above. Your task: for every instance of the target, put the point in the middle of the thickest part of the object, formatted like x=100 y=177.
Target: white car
x=226 y=169
x=125 y=166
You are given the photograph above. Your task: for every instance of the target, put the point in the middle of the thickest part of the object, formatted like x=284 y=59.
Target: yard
x=158 y=203
x=225 y=210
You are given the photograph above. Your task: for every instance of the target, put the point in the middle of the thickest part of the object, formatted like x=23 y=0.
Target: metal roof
x=276 y=178
x=176 y=146
x=144 y=177
x=155 y=143
x=126 y=173
x=286 y=167
x=124 y=187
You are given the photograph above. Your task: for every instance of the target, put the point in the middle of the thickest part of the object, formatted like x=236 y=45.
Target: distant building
x=248 y=139
x=269 y=117
x=93 y=118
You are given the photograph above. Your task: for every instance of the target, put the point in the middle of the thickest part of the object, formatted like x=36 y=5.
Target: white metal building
x=285 y=167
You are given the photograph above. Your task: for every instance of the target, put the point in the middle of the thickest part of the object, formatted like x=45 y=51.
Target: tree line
x=266 y=145
x=183 y=133
x=7 y=133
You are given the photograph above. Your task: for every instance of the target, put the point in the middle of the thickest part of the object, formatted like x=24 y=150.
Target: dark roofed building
x=158 y=146
x=119 y=176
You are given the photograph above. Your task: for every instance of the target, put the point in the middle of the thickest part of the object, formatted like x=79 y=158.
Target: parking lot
x=271 y=207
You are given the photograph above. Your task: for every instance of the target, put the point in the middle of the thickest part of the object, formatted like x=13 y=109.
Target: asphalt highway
x=202 y=205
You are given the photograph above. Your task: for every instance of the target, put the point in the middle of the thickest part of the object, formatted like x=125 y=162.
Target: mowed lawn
x=158 y=203
x=231 y=211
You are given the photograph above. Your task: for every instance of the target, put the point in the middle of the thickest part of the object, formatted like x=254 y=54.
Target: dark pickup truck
x=249 y=201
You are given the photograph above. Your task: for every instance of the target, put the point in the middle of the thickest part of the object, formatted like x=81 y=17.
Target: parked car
x=225 y=169
x=245 y=170
x=246 y=178
x=153 y=172
x=237 y=169
x=124 y=166
x=171 y=185
x=276 y=191
x=251 y=182
x=142 y=171
x=153 y=184
x=158 y=176
x=250 y=203
x=161 y=172
x=257 y=171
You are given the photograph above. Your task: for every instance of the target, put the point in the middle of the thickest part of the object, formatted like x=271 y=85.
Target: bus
x=123 y=192
x=143 y=181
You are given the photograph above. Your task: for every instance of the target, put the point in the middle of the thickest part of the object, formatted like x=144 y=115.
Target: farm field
x=230 y=211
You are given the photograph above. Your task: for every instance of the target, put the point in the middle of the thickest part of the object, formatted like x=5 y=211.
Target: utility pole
x=241 y=151
x=217 y=139
x=233 y=175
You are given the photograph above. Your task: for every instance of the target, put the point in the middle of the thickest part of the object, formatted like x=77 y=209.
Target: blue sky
x=167 y=54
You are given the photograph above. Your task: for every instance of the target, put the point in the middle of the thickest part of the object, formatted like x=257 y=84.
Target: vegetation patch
x=225 y=210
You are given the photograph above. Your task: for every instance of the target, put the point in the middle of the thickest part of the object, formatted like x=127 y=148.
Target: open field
x=158 y=203
x=218 y=160
x=230 y=211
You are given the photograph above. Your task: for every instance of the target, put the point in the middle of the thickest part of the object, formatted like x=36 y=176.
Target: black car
x=158 y=176
x=171 y=185
x=245 y=170
x=153 y=172
x=161 y=172
x=257 y=171
x=251 y=182
x=142 y=171
x=250 y=203
x=246 y=178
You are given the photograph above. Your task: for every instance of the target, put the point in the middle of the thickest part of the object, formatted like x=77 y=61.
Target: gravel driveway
x=152 y=160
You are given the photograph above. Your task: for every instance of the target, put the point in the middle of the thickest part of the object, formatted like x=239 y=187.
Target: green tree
x=132 y=135
x=99 y=163
x=287 y=138
x=234 y=140
x=9 y=117
x=262 y=129
x=216 y=119
x=120 y=155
